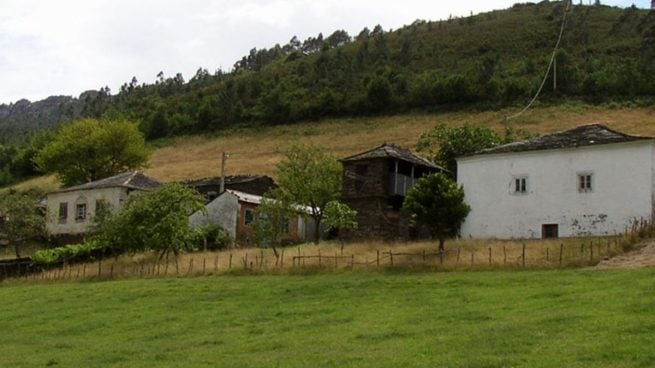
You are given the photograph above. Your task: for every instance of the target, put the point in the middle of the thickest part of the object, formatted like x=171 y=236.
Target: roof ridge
x=129 y=179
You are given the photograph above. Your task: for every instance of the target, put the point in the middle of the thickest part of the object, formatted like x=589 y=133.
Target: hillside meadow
x=563 y=318
x=256 y=150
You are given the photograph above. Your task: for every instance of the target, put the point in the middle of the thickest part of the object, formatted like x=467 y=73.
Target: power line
x=550 y=65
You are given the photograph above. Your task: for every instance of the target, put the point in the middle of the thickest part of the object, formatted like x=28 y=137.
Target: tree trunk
x=317 y=230
x=17 y=249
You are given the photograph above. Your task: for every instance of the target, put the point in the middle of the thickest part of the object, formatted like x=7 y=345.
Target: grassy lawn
x=358 y=319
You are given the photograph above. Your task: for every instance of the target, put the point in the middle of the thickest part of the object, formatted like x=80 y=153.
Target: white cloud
x=68 y=46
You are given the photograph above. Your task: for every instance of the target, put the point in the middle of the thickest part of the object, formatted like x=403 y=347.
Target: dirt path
x=642 y=257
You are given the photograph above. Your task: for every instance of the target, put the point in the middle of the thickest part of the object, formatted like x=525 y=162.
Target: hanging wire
x=550 y=65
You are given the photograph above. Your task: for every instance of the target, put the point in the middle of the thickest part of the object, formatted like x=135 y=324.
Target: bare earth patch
x=639 y=258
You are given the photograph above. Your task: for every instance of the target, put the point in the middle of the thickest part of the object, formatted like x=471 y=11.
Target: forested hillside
x=487 y=61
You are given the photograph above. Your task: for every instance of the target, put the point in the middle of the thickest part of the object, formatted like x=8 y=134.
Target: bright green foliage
x=272 y=223
x=308 y=176
x=445 y=143
x=215 y=237
x=341 y=217
x=20 y=219
x=156 y=220
x=90 y=149
x=437 y=203
x=68 y=253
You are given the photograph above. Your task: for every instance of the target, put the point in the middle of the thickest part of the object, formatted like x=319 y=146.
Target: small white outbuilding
x=590 y=180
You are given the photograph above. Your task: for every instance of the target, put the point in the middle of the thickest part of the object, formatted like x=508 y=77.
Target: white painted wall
x=114 y=196
x=623 y=179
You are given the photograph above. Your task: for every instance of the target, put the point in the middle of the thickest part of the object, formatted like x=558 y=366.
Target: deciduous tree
x=20 y=219
x=156 y=220
x=91 y=149
x=437 y=203
x=310 y=177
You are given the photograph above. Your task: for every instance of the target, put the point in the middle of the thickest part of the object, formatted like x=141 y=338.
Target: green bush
x=71 y=252
x=217 y=237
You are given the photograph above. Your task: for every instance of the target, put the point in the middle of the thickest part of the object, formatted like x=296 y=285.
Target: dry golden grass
x=258 y=150
x=465 y=254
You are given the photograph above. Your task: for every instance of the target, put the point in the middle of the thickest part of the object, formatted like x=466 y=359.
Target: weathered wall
x=222 y=211
x=114 y=196
x=622 y=191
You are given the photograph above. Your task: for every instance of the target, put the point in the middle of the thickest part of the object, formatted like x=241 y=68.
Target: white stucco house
x=70 y=211
x=590 y=180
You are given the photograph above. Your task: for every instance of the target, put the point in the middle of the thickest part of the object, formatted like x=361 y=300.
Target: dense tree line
x=491 y=60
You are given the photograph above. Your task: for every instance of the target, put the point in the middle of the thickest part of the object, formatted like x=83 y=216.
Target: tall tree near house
x=437 y=203
x=91 y=149
x=20 y=219
x=308 y=176
x=272 y=223
x=340 y=217
x=156 y=220
x=445 y=143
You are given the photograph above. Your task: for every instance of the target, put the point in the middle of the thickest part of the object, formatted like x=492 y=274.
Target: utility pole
x=555 y=75
x=223 y=159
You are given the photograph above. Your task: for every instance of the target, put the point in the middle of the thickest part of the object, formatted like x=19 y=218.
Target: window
x=549 y=231
x=585 y=182
x=80 y=212
x=248 y=216
x=63 y=212
x=520 y=185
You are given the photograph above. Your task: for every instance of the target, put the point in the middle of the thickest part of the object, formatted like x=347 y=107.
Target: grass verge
x=481 y=319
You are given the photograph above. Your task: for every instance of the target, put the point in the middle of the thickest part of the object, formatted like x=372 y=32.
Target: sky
x=66 y=47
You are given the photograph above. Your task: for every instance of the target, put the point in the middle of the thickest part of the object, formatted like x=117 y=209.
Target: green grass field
x=393 y=319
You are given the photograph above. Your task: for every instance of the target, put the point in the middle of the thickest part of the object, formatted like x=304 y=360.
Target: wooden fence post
x=459 y=250
x=504 y=255
x=336 y=259
x=490 y=256
x=99 y=267
x=377 y=258
x=391 y=257
x=319 y=258
x=261 y=259
x=423 y=257
x=523 y=255
x=547 y=255
x=230 y=263
x=111 y=271
x=204 y=261
x=561 y=251
x=472 y=258
x=190 y=269
x=591 y=252
x=215 y=263
x=352 y=261
x=582 y=254
x=441 y=251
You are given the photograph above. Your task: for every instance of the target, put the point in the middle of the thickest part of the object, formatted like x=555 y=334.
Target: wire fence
x=582 y=252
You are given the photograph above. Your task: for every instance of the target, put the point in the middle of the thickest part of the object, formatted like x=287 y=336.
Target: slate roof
x=130 y=180
x=391 y=151
x=584 y=135
x=233 y=179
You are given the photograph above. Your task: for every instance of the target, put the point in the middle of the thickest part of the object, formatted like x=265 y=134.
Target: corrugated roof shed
x=585 y=135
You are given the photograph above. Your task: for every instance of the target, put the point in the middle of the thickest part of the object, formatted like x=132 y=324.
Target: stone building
x=70 y=211
x=375 y=184
x=590 y=180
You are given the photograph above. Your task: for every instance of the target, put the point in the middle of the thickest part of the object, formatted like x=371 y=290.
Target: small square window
x=585 y=182
x=520 y=185
x=80 y=212
x=63 y=211
x=248 y=216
